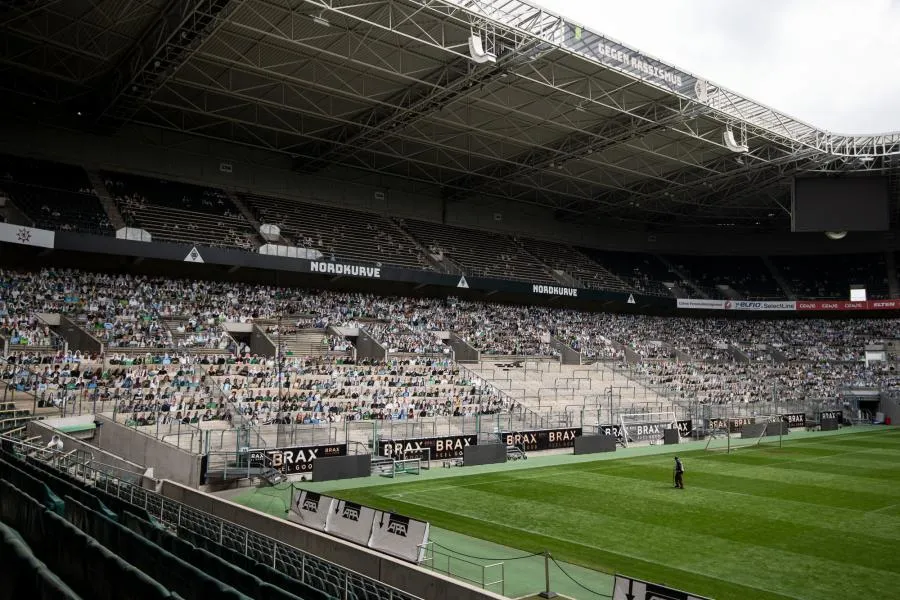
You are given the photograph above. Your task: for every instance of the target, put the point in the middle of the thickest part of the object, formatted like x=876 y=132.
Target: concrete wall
x=399 y=574
x=77 y=338
x=176 y=156
x=166 y=460
x=567 y=355
x=462 y=351
x=45 y=431
x=367 y=347
x=260 y=343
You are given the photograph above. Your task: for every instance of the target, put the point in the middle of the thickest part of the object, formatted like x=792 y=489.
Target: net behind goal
x=745 y=432
x=406 y=466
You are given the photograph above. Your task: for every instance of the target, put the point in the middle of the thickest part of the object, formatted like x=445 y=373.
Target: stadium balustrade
x=810 y=278
x=561 y=257
x=54 y=196
x=479 y=253
x=97 y=540
x=339 y=234
x=643 y=273
x=748 y=276
x=179 y=212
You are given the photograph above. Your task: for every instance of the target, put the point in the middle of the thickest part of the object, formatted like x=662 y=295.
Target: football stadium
x=431 y=300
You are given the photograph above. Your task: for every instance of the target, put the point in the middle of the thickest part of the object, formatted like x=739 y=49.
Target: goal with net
x=404 y=466
x=728 y=435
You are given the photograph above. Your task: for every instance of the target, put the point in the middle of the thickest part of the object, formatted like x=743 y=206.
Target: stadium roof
x=476 y=97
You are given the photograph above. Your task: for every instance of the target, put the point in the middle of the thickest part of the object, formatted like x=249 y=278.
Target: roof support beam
x=183 y=25
x=608 y=134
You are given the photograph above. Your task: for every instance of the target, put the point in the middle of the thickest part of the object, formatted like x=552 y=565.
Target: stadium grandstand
x=243 y=238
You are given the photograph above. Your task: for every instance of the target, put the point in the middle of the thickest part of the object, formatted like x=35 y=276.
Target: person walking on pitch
x=679 y=473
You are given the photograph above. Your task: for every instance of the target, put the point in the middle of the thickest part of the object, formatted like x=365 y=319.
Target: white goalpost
x=646 y=427
x=727 y=435
x=406 y=466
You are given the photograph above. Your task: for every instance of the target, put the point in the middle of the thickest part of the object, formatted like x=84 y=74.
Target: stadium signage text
x=795 y=419
x=310 y=502
x=542 y=439
x=615 y=430
x=442 y=447
x=639 y=63
x=331 y=268
x=843 y=305
x=297 y=459
x=643 y=432
x=832 y=414
x=685 y=428
x=552 y=290
x=734 y=425
x=785 y=305
x=351 y=511
x=754 y=305
x=398 y=525
x=760 y=305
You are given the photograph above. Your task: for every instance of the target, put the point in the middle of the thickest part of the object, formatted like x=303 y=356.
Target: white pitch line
x=888 y=507
x=642 y=559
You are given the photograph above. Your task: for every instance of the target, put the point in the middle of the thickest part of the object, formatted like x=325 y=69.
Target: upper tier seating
x=589 y=273
x=643 y=273
x=479 y=253
x=53 y=195
x=747 y=275
x=180 y=212
x=337 y=233
x=830 y=277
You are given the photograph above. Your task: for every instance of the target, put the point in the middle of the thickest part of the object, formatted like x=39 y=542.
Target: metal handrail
x=174 y=513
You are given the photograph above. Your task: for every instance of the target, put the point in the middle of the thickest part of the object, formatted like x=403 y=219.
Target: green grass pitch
x=816 y=519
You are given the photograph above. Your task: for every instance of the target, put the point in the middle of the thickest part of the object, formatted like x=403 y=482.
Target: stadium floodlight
x=320 y=19
x=733 y=144
x=477 y=51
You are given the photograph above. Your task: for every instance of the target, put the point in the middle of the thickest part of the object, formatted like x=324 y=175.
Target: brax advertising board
x=795 y=419
x=542 y=439
x=450 y=446
x=297 y=459
x=646 y=432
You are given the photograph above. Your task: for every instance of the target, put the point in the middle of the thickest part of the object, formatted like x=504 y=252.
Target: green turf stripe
x=702 y=517
x=578 y=553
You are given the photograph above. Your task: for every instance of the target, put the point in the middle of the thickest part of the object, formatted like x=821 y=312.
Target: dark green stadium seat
x=24 y=576
x=62 y=486
x=240 y=579
x=31 y=485
x=88 y=568
x=184 y=578
x=91 y=496
x=309 y=590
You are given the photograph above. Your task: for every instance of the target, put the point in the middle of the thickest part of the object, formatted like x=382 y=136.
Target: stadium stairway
x=549 y=387
x=779 y=278
x=254 y=222
x=106 y=201
x=890 y=261
x=444 y=265
x=682 y=279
